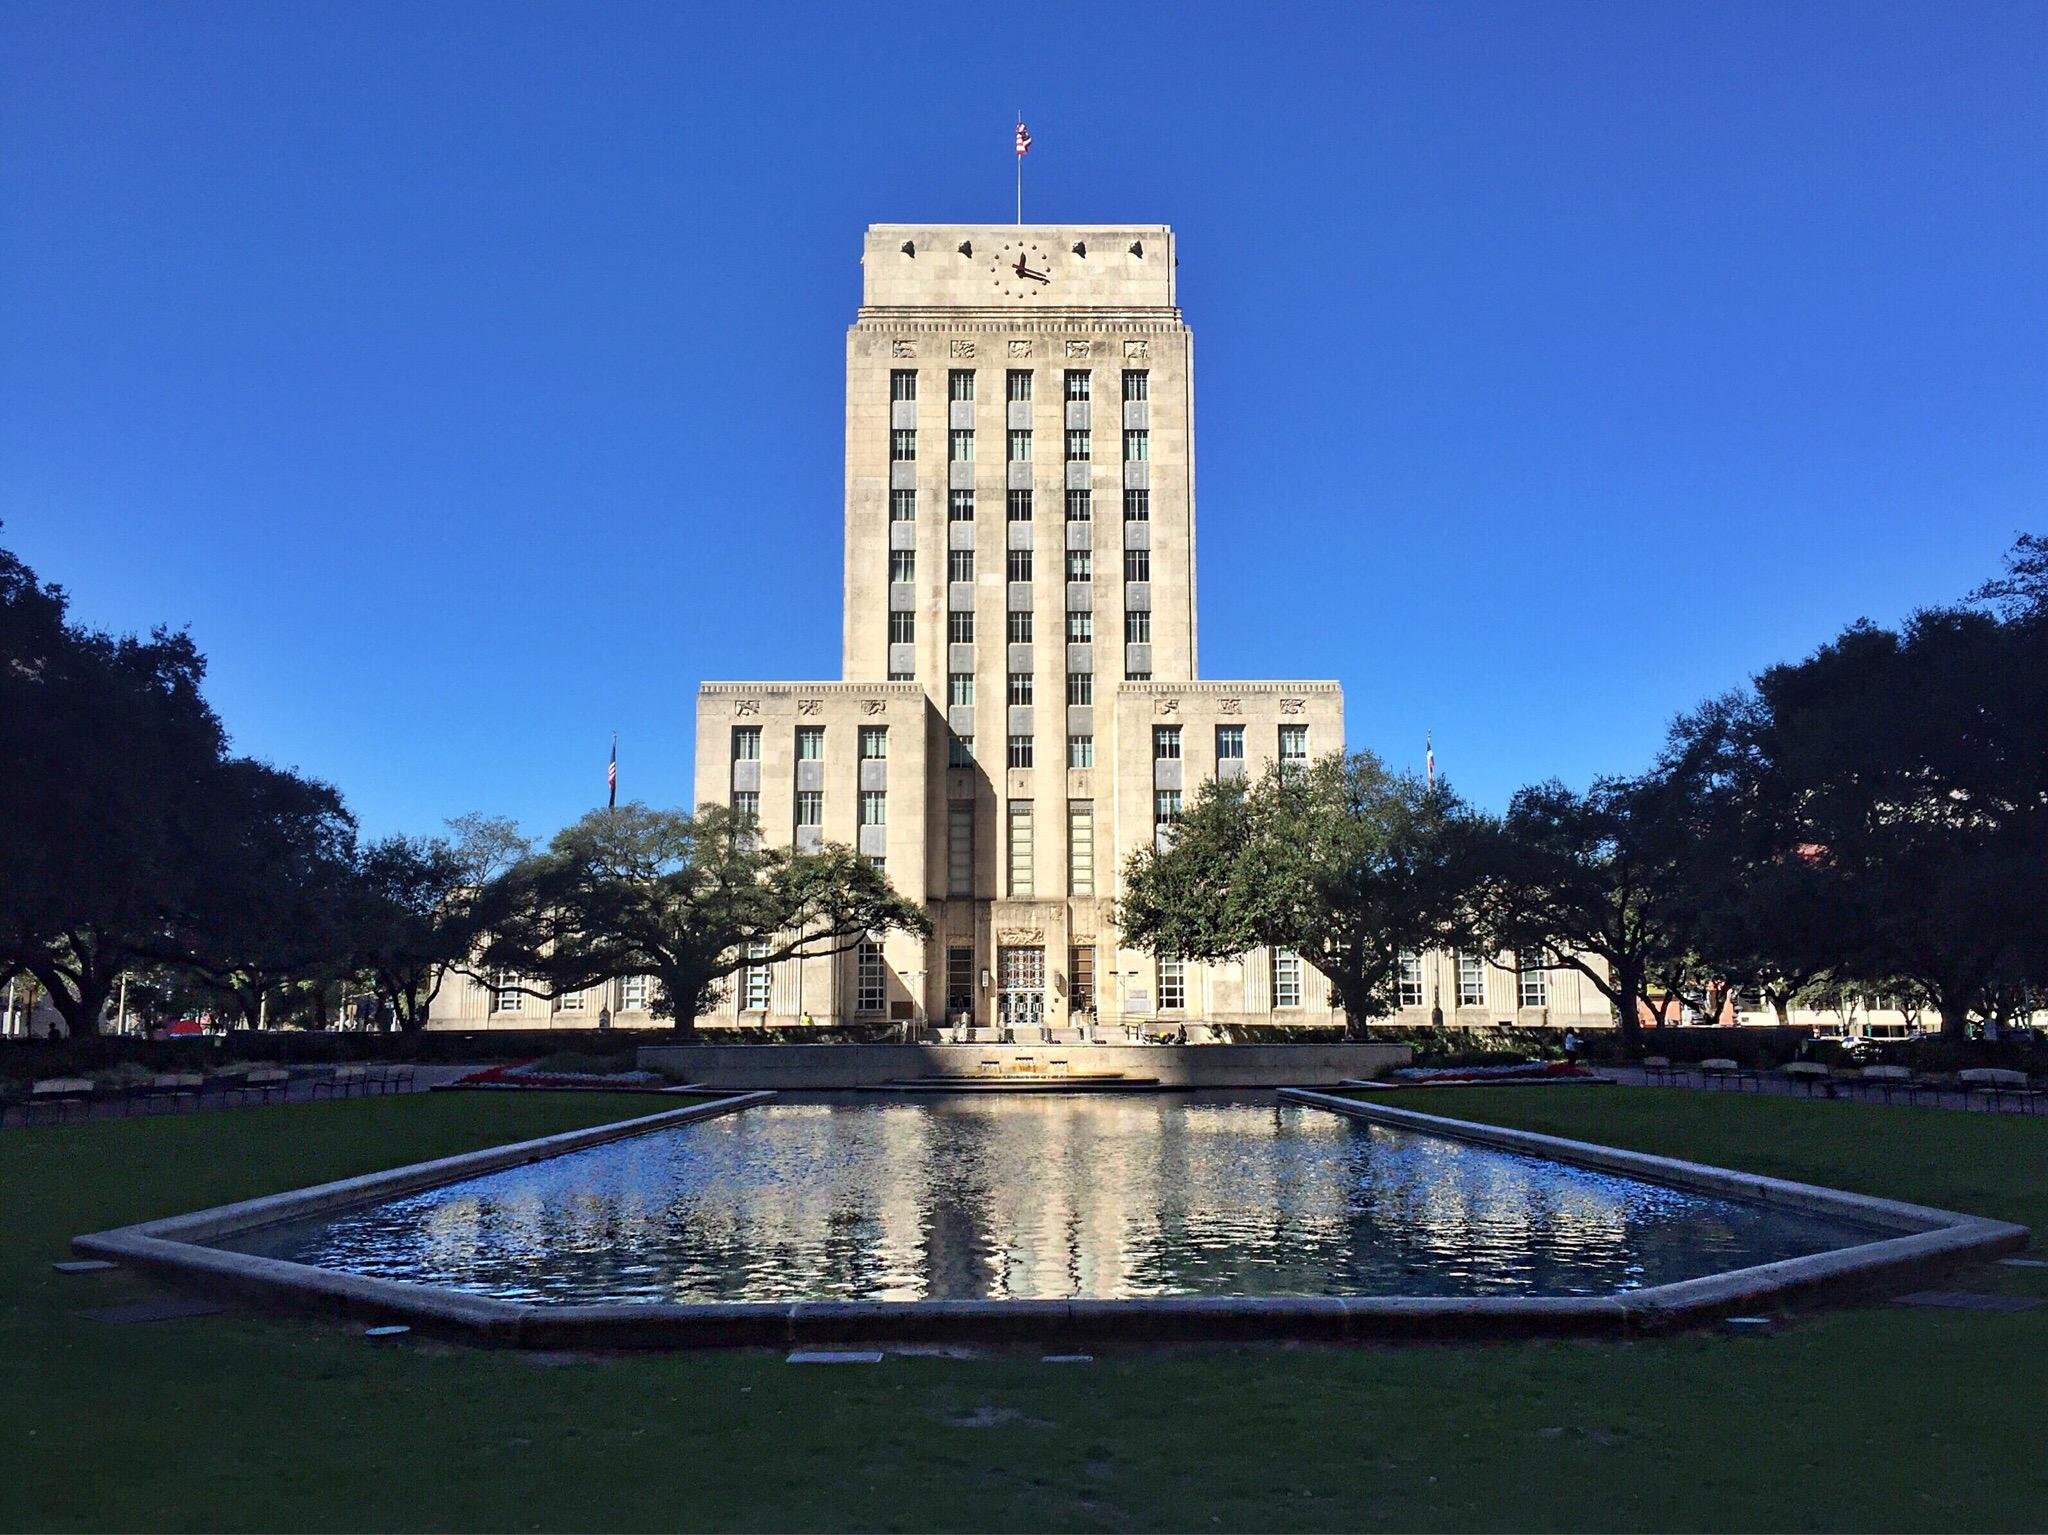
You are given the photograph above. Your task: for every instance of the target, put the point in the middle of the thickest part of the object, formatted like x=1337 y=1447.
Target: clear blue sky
x=468 y=377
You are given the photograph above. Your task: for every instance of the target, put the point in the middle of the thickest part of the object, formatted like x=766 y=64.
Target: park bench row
x=1994 y=1086
x=53 y=1100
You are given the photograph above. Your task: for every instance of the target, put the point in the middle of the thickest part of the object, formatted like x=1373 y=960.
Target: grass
x=1884 y=1418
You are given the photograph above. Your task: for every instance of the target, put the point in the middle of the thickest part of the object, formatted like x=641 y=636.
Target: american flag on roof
x=1023 y=139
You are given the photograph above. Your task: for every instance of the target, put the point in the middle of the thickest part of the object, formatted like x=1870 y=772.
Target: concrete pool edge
x=1930 y=1241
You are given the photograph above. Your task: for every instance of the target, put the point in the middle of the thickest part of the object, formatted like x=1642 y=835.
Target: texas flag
x=1023 y=138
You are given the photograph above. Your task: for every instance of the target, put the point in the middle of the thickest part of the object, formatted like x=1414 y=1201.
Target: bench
x=1658 y=1068
x=1811 y=1075
x=178 y=1089
x=1719 y=1070
x=388 y=1079
x=257 y=1086
x=1998 y=1083
x=57 y=1095
x=1887 y=1081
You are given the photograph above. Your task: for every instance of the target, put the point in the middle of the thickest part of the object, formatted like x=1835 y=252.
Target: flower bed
x=1523 y=1071
x=525 y=1074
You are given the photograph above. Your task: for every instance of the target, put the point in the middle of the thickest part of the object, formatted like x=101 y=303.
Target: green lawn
x=1884 y=1418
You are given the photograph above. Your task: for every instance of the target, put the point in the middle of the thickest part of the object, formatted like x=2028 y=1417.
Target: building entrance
x=1020 y=994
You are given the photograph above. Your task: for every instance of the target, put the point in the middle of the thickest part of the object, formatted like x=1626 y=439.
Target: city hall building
x=1019 y=705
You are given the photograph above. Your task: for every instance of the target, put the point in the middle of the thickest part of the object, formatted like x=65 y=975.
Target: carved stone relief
x=1077 y=347
x=1233 y=706
x=903 y=348
x=962 y=348
x=874 y=706
x=1137 y=349
x=746 y=706
x=1019 y=347
x=809 y=705
x=1293 y=705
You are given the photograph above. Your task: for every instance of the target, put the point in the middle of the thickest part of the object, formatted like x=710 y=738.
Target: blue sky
x=468 y=377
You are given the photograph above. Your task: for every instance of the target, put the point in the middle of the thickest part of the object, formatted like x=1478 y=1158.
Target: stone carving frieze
x=809 y=705
x=900 y=348
x=745 y=707
x=1293 y=705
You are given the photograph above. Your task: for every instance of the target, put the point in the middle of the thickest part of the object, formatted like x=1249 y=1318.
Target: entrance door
x=1020 y=996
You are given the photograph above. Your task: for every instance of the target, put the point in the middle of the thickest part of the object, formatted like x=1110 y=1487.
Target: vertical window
x=1020 y=447
x=902 y=565
x=810 y=744
x=1081 y=847
x=874 y=807
x=1230 y=743
x=746 y=743
x=1020 y=505
x=1172 y=976
x=902 y=628
x=1080 y=751
x=1137 y=506
x=959 y=981
x=960 y=445
x=1137 y=564
x=903 y=384
x=960 y=690
x=1137 y=385
x=1286 y=978
x=1017 y=387
x=1081 y=978
x=960 y=627
x=746 y=805
x=1293 y=746
x=1020 y=627
x=1020 y=751
x=1533 y=981
x=1080 y=565
x=572 y=1002
x=1080 y=506
x=1079 y=383
x=902 y=445
x=960 y=848
x=1166 y=743
x=871 y=989
x=874 y=743
x=960 y=386
x=1138 y=626
x=1471 y=981
x=754 y=989
x=959 y=564
x=1080 y=689
x=1079 y=447
x=960 y=752
x=1019 y=566
x=902 y=506
x=960 y=506
x=1020 y=691
x=506 y=997
x=633 y=994
x=1408 y=981
x=1022 y=860
x=810 y=807
x=1137 y=446
x=1165 y=808
x=1080 y=627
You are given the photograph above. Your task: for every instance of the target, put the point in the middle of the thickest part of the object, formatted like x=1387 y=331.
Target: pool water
x=1044 y=1197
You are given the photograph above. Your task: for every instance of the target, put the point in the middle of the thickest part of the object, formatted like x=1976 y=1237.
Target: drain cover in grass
x=1969 y=1300
x=153 y=1311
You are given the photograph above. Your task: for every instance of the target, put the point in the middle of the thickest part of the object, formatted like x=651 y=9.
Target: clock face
x=1019 y=269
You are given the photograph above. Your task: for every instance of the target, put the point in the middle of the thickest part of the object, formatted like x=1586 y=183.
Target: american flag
x=1023 y=139
x=1429 y=757
x=611 y=778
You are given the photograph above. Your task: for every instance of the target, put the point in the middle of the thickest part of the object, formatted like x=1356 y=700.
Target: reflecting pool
x=1032 y=1197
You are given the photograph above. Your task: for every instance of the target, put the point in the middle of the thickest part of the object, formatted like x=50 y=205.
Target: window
x=1079 y=447
x=1080 y=505
x=746 y=743
x=1165 y=807
x=871 y=987
x=754 y=985
x=960 y=627
x=1080 y=383
x=902 y=446
x=959 y=982
x=874 y=743
x=1019 y=627
x=1017 y=387
x=572 y=1002
x=810 y=807
x=1018 y=566
x=960 y=506
x=902 y=506
x=633 y=994
x=1080 y=751
x=1230 y=743
x=1408 y=981
x=902 y=565
x=1020 y=505
x=960 y=752
x=960 y=386
x=1293 y=746
x=960 y=445
x=1138 y=674
x=1022 y=861
x=1080 y=564
x=1286 y=977
x=1080 y=689
x=1020 y=447
x=1081 y=978
x=1471 y=981
x=810 y=744
x=746 y=805
x=1137 y=506
x=1173 y=982
x=1533 y=983
x=506 y=997
x=874 y=807
x=874 y=861
x=1138 y=626
x=959 y=564
x=1080 y=628
x=960 y=690
x=903 y=383
x=902 y=628
x=1020 y=689
x=1081 y=847
x=1137 y=564
x=1166 y=743
x=1020 y=751
x=960 y=848
x=1137 y=446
